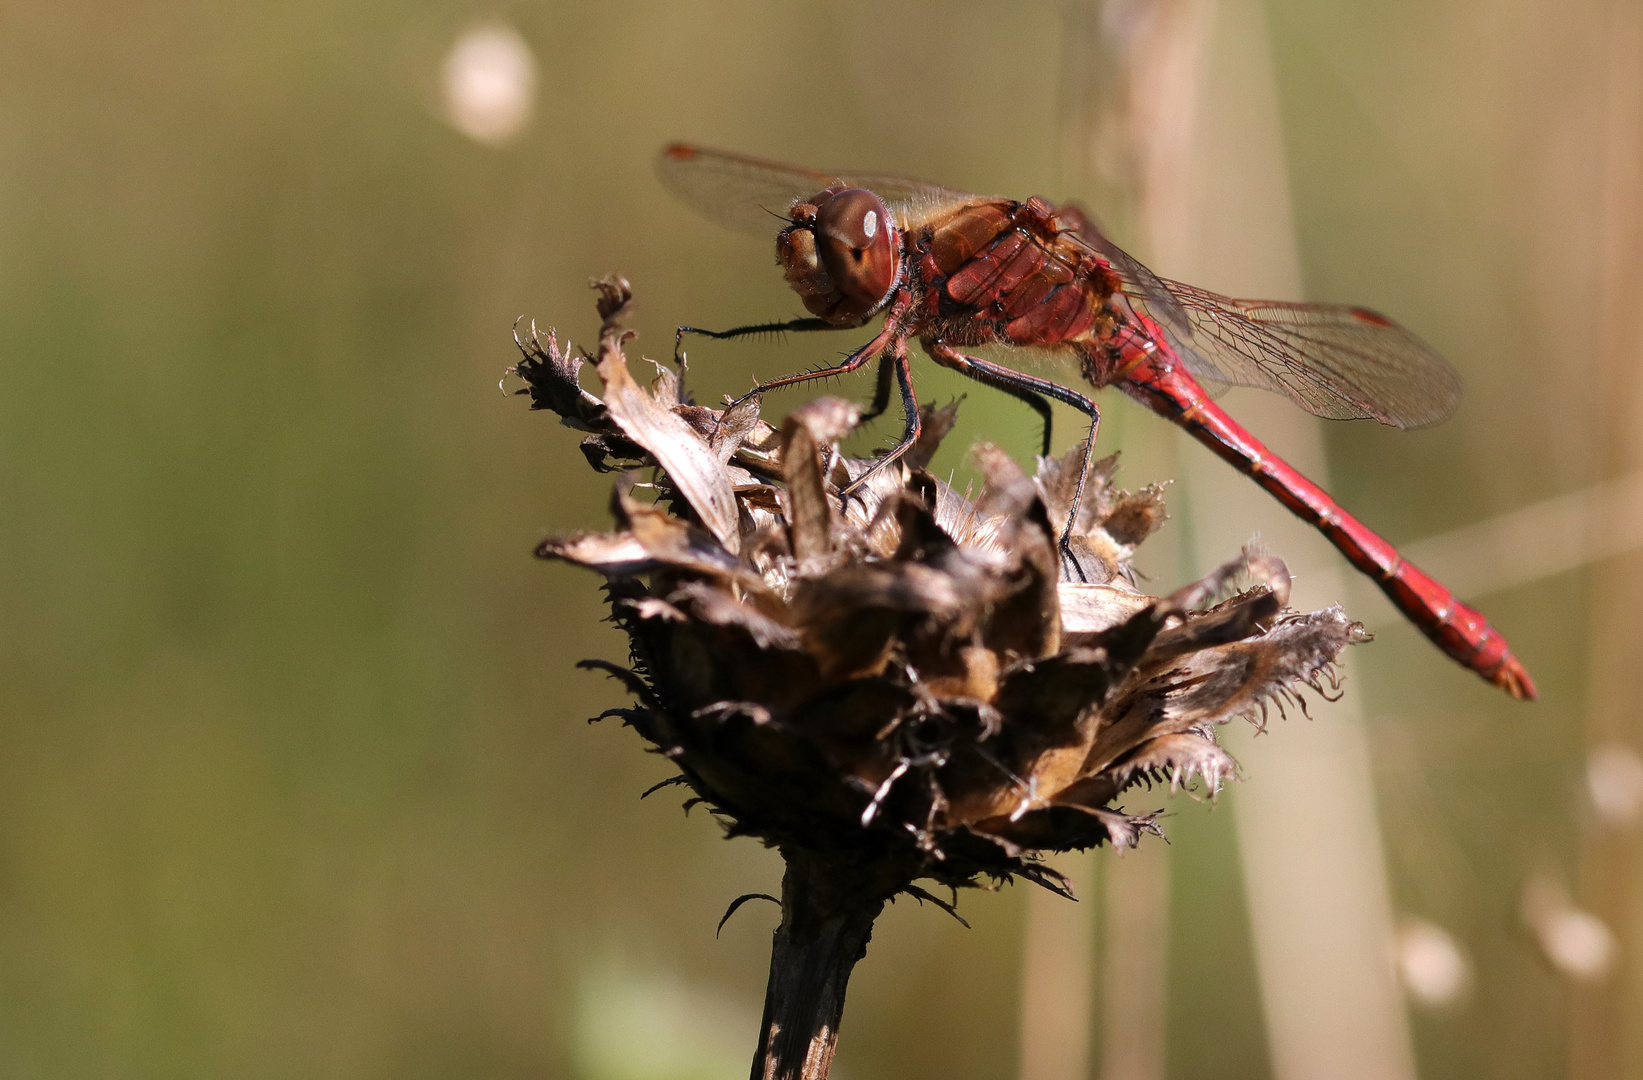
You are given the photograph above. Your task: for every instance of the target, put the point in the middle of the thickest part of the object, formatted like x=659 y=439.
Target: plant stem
x=828 y=907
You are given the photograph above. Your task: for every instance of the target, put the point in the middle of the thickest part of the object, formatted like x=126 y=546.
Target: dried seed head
x=904 y=674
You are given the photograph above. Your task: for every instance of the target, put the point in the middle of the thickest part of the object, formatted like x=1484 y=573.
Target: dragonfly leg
x=1067 y=556
x=897 y=356
x=881 y=393
x=1033 y=390
x=978 y=369
x=885 y=338
x=794 y=325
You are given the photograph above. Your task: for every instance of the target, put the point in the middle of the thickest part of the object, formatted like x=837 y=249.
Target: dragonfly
x=960 y=272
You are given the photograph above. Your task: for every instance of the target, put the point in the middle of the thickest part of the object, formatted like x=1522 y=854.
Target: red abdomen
x=1156 y=380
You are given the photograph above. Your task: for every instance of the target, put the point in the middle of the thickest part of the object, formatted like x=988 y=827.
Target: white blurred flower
x=1431 y=965
x=490 y=84
x=1577 y=943
x=1614 y=782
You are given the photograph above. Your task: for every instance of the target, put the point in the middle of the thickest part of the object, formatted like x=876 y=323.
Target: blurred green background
x=294 y=778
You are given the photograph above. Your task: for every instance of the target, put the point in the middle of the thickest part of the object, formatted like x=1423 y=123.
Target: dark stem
x=828 y=907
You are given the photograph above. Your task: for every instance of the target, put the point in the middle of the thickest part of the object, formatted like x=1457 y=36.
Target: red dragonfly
x=959 y=271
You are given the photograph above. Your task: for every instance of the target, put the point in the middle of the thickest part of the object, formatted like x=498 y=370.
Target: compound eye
x=855 y=238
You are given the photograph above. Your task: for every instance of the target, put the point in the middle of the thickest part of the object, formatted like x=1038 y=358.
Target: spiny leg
x=1015 y=383
x=886 y=337
x=881 y=392
x=1029 y=388
x=909 y=403
x=967 y=365
x=796 y=325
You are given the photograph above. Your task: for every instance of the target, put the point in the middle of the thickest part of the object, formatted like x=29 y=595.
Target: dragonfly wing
x=751 y=194
x=1333 y=360
x=742 y=193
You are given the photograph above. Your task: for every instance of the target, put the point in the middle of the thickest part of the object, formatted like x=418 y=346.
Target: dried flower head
x=902 y=686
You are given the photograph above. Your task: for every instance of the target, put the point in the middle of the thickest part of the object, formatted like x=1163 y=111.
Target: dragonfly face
x=842 y=254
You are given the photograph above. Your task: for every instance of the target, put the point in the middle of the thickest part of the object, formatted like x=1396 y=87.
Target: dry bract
x=904 y=686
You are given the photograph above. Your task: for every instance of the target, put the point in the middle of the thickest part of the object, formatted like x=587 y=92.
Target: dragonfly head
x=842 y=254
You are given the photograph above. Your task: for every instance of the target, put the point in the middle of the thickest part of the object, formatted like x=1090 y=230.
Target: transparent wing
x=1333 y=360
x=1345 y=363
x=753 y=195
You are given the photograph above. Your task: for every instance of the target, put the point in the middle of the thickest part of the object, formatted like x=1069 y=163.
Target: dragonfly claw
x=1070 y=560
